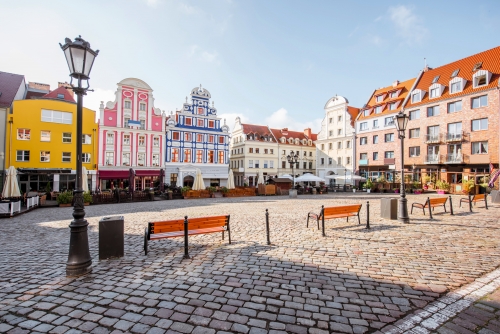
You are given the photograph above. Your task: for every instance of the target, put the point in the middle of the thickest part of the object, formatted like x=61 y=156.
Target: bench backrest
x=478 y=197
x=193 y=224
x=333 y=210
x=438 y=200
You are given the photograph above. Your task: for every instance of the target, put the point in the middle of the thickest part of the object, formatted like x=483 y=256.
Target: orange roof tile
x=403 y=89
x=354 y=113
x=490 y=61
x=60 y=91
x=260 y=130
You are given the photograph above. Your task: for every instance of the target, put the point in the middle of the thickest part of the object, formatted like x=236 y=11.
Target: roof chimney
x=395 y=83
x=307 y=132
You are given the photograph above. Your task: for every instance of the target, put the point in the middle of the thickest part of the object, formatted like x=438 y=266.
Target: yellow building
x=41 y=142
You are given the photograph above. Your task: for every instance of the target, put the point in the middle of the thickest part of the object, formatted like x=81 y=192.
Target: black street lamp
x=401 y=122
x=80 y=58
x=292 y=159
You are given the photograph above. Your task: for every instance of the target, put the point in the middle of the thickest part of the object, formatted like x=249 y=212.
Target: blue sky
x=270 y=62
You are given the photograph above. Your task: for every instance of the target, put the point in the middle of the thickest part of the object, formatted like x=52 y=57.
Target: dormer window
x=309 y=142
x=435 y=90
x=394 y=94
x=481 y=78
x=436 y=78
x=367 y=112
x=392 y=106
x=379 y=98
x=416 y=96
x=297 y=142
x=60 y=96
x=378 y=109
x=457 y=84
x=477 y=66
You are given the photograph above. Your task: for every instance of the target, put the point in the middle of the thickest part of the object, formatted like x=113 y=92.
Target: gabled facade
x=377 y=142
x=335 y=143
x=131 y=138
x=41 y=137
x=453 y=131
x=197 y=139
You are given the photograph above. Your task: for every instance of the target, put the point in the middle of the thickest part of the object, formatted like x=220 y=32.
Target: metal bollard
x=267 y=227
x=451 y=206
x=186 y=246
x=486 y=201
x=430 y=209
x=368 y=214
x=470 y=203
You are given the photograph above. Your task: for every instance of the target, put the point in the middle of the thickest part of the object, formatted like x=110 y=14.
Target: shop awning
x=113 y=174
x=147 y=172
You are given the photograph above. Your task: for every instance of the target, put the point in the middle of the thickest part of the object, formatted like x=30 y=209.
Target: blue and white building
x=196 y=139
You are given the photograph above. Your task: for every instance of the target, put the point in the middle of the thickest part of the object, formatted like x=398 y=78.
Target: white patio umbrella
x=261 y=178
x=309 y=178
x=85 y=182
x=230 y=180
x=11 y=187
x=287 y=176
x=198 y=181
x=346 y=177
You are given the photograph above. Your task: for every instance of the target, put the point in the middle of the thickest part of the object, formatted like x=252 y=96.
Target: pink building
x=131 y=138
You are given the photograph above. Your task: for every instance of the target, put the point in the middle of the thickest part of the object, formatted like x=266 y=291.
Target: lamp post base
x=79 y=260
x=403 y=210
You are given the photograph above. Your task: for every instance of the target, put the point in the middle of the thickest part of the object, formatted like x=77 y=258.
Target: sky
x=272 y=63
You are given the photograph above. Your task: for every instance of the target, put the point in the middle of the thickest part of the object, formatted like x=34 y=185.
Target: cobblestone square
x=354 y=280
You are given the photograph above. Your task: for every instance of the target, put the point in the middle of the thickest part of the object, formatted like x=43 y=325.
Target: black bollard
x=451 y=206
x=486 y=201
x=368 y=214
x=470 y=203
x=267 y=227
x=429 y=206
x=186 y=251
x=323 y=219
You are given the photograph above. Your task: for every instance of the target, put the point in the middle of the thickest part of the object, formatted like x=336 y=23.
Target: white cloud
x=281 y=119
x=187 y=9
x=376 y=40
x=209 y=57
x=93 y=99
x=408 y=25
x=198 y=53
x=152 y=3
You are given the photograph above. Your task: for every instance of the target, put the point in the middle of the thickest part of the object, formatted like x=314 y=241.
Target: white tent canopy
x=309 y=178
x=230 y=180
x=287 y=176
x=346 y=177
x=198 y=183
x=11 y=187
x=261 y=178
x=85 y=182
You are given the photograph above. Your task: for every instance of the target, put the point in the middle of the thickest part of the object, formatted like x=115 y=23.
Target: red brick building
x=453 y=131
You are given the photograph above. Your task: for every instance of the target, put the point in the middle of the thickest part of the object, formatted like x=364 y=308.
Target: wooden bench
x=185 y=227
x=474 y=199
x=431 y=203
x=333 y=212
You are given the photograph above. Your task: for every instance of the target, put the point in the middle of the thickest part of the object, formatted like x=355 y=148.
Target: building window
x=142 y=141
x=211 y=124
x=127 y=104
x=375 y=156
x=250 y=163
x=266 y=163
x=142 y=106
x=187 y=136
x=141 y=159
x=394 y=94
x=415 y=97
x=330 y=120
x=45 y=136
x=188 y=121
x=201 y=122
x=110 y=139
x=330 y=146
x=174 y=155
x=24 y=134
x=110 y=158
x=156 y=141
x=363 y=126
x=392 y=106
x=66 y=157
x=389 y=154
x=479 y=102
x=479 y=124
x=176 y=135
x=125 y=123
x=310 y=165
x=375 y=123
x=379 y=98
x=322 y=161
x=256 y=150
x=339 y=145
x=389 y=121
x=414 y=114
x=211 y=156
x=143 y=124
x=415 y=151
x=86 y=139
x=271 y=151
x=126 y=140
x=199 y=138
x=257 y=165
x=271 y=164
x=415 y=133
x=330 y=161
x=304 y=165
x=330 y=133
x=156 y=160
x=363 y=156
x=378 y=109
x=454 y=106
x=339 y=160
x=375 y=139
x=367 y=112
x=348 y=160
x=200 y=111
x=339 y=118
x=388 y=137
x=480 y=80
x=348 y=144
x=432 y=111
x=53 y=116
x=221 y=140
x=435 y=92
x=480 y=147
x=44 y=156
x=250 y=150
x=456 y=87
x=187 y=155
x=199 y=156
x=66 y=137
x=86 y=158
x=363 y=140
x=126 y=159
x=322 y=147
x=211 y=139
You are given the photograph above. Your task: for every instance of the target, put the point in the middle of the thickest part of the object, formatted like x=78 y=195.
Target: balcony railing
x=454 y=158
x=452 y=136
x=363 y=162
x=432 y=159
x=389 y=161
x=433 y=138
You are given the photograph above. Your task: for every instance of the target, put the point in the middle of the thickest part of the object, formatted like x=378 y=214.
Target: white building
x=335 y=145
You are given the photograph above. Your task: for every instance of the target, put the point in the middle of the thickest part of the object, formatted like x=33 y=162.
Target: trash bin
x=111 y=237
x=389 y=208
x=495 y=196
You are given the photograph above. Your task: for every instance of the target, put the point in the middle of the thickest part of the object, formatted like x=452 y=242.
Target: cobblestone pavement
x=353 y=281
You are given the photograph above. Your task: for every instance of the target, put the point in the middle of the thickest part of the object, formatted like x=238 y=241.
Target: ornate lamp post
x=292 y=159
x=401 y=122
x=80 y=58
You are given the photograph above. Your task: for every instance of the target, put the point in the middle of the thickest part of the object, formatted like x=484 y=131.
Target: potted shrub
x=184 y=191
x=416 y=187
x=368 y=185
x=87 y=198
x=224 y=191
x=468 y=186
x=442 y=187
x=65 y=198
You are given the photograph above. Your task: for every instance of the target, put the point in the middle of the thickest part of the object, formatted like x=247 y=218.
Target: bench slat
x=175 y=234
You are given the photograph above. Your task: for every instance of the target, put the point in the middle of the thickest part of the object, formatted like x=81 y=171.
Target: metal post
x=403 y=205
x=368 y=214
x=486 y=200
x=430 y=209
x=186 y=245
x=451 y=206
x=267 y=227
x=79 y=260
x=470 y=203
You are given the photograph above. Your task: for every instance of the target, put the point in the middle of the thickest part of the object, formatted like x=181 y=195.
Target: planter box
x=65 y=205
x=441 y=192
